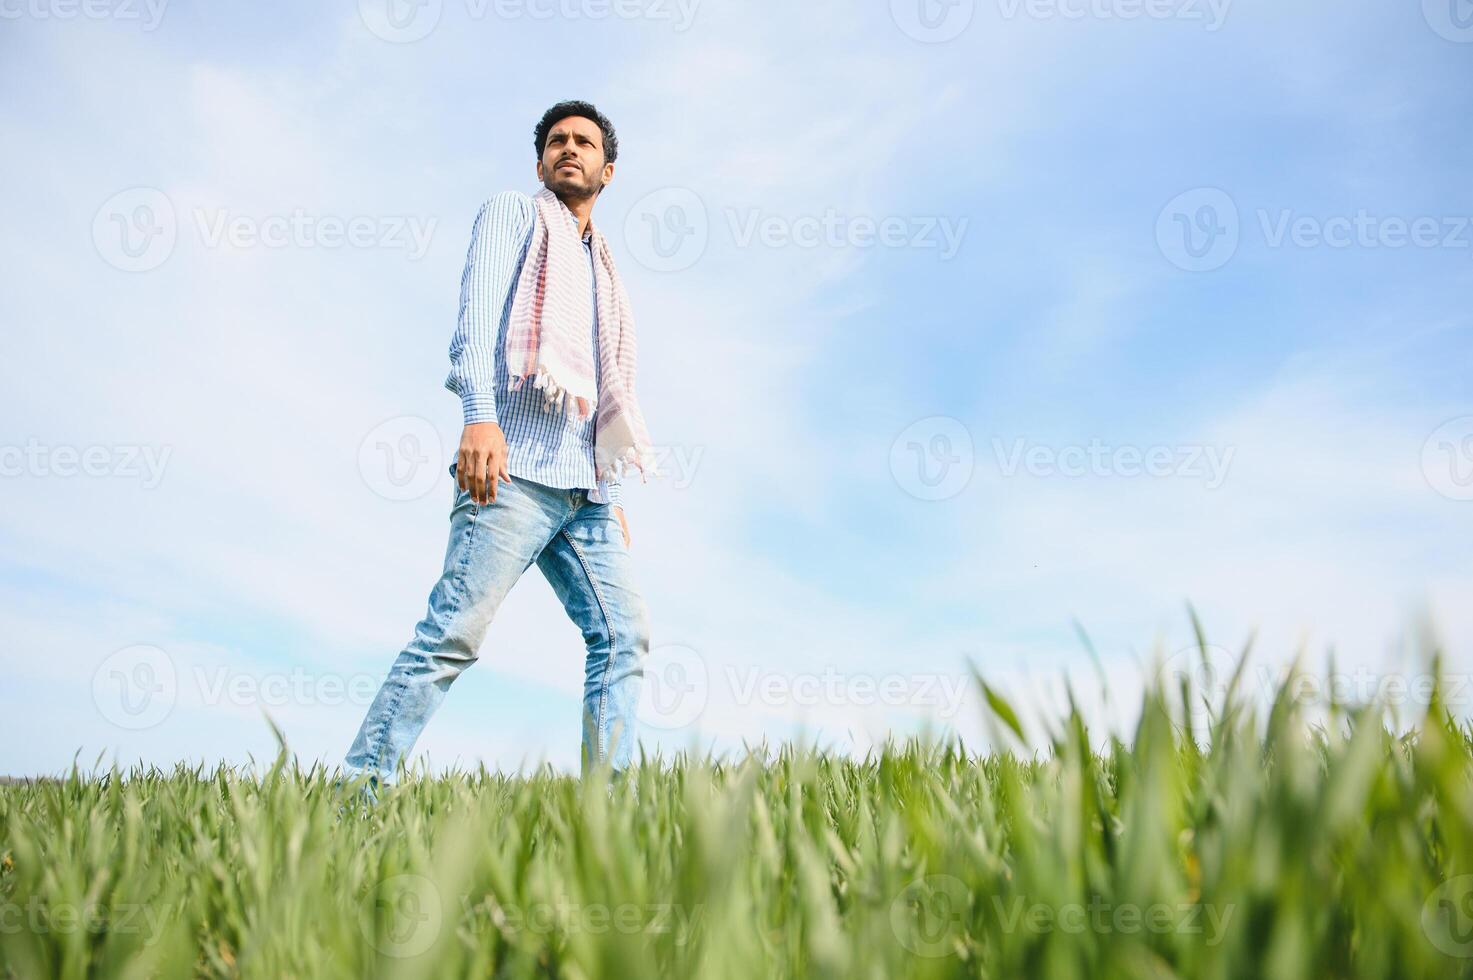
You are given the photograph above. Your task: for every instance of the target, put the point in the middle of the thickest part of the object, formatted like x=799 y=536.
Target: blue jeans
x=580 y=549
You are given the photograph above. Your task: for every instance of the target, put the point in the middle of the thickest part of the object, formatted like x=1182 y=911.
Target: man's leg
x=490 y=547
x=589 y=568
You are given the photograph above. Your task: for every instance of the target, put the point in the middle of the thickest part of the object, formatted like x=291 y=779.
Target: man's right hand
x=481 y=463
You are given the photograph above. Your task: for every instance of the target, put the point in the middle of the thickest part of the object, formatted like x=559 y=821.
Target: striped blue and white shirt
x=546 y=446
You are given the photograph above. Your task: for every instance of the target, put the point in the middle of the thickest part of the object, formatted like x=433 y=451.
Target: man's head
x=576 y=147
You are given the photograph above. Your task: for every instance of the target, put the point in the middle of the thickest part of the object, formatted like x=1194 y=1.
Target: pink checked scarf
x=547 y=337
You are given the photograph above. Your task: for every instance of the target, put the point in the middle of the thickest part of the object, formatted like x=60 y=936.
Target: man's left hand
x=623 y=524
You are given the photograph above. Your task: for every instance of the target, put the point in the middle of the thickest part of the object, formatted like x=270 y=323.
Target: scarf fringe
x=555 y=397
x=629 y=460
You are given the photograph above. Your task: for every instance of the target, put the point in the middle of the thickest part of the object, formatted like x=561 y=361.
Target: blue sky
x=887 y=459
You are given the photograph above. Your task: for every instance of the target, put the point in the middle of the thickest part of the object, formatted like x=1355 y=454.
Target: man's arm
x=497 y=239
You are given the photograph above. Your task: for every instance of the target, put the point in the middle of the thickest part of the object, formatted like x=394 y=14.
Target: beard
x=578 y=185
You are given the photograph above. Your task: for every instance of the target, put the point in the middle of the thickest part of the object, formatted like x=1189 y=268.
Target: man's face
x=572 y=163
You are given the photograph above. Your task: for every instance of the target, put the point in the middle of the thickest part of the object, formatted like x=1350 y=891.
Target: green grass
x=1264 y=847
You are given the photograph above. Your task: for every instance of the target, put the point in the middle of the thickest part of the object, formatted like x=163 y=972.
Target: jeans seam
x=457 y=582
x=603 y=691
x=457 y=587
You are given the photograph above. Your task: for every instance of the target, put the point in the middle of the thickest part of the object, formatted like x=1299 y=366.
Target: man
x=543 y=361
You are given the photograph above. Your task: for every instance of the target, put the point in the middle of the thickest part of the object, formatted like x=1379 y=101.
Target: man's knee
x=448 y=639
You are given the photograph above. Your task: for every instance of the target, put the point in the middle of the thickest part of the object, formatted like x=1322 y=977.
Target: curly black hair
x=587 y=111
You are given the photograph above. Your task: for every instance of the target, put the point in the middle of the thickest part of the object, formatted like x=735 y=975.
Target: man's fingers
x=495 y=471
x=477 y=488
x=488 y=474
x=481 y=464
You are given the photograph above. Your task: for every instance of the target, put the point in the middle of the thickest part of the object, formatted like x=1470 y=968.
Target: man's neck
x=582 y=208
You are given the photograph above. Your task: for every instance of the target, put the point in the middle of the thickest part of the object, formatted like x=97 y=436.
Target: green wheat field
x=1256 y=844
